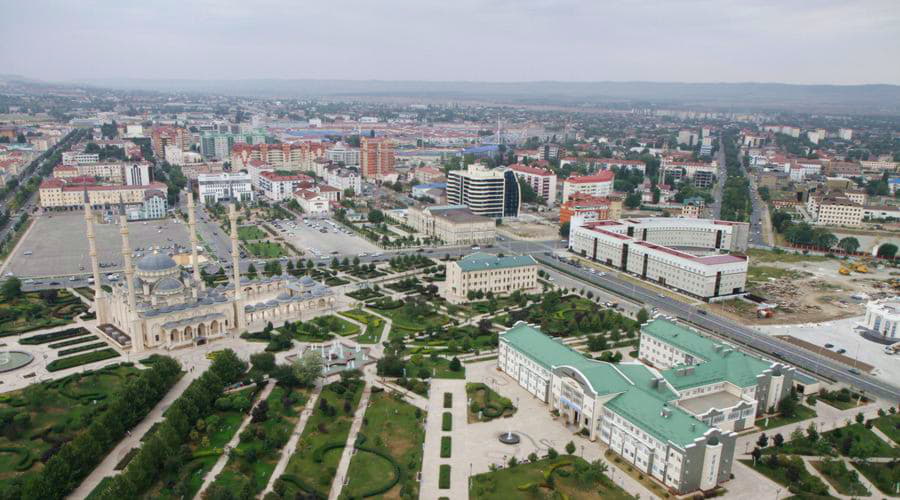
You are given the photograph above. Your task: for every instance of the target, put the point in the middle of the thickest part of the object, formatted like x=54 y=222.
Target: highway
x=731 y=330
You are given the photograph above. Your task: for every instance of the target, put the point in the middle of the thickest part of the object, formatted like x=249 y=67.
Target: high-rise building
x=376 y=157
x=160 y=137
x=137 y=174
x=489 y=192
x=542 y=181
x=219 y=145
x=599 y=184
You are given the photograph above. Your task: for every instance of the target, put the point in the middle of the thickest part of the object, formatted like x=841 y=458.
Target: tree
x=376 y=216
x=11 y=288
x=564 y=229
x=633 y=200
x=528 y=193
x=570 y=447
x=887 y=250
x=552 y=453
x=778 y=440
x=455 y=365
x=849 y=244
x=251 y=271
x=787 y=407
x=812 y=433
x=763 y=440
x=263 y=361
x=643 y=316
x=228 y=366
x=756 y=454
x=308 y=368
x=860 y=418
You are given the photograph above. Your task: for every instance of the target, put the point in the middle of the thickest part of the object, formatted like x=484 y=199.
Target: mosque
x=161 y=306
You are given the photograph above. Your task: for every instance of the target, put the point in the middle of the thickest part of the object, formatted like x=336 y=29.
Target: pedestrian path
x=340 y=477
x=291 y=445
x=232 y=444
x=431 y=460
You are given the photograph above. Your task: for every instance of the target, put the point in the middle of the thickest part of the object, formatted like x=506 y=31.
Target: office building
x=599 y=184
x=488 y=192
x=343 y=154
x=224 y=187
x=619 y=164
x=646 y=248
x=834 y=210
x=452 y=224
x=482 y=272
x=542 y=181
x=74 y=158
x=376 y=157
x=137 y=174
x=882 y=320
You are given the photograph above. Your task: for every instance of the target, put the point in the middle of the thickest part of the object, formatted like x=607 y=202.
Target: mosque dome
x=167 y=286
x=156 y=262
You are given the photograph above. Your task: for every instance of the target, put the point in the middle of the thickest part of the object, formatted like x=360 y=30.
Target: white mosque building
x=161 y=306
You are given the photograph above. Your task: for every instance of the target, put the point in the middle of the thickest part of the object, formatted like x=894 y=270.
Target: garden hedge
x=446 y=446
x=78 y=340
x=81 y=359
x=83 y=348
x=398 y=473
x=309 y=491
x=447 y=421
x=448 y=400
x=444 y=477
x=50 y=337
x=319 y=453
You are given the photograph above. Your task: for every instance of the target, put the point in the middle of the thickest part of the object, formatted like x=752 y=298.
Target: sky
x=788 y=41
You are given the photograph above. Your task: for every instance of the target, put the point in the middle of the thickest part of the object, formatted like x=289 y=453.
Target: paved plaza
x=307 y=239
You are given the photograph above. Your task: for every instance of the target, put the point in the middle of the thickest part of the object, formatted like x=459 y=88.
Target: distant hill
x=851 y=99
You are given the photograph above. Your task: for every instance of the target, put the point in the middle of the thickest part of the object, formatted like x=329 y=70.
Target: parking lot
x=309 y=238
x=59 y=246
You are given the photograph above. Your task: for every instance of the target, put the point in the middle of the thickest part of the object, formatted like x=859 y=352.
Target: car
x=661 y=295
x=853 y=371
x=701 y=311
x=841 y=351
x=829 y=346
x=54 y=283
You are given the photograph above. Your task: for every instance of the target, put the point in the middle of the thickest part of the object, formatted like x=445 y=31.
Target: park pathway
x=340 y=477
x=133 y=438
x=291 y=445
x=458 y=461
x=232 y=444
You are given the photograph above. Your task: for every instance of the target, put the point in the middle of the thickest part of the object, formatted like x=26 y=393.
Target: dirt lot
x=805 y=290
x=530 y=230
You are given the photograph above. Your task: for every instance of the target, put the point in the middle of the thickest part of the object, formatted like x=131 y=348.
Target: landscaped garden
x=560 y=477
x=388 y=450
x=81 y=359
x=457 y=339
x=884 y=475
x=410 y=316
x=312 y=467
x=845 y=480
x=853 y=440
x=791 y=473
x=364 y=294
x=571 y=315
x=842 y=399
x=318 y=329
x=250 y=233
x=889 y=425
x=486 y=404
x=374 y=325
x=265 y=249
x=251 y=464
x=791 y=412
x=22 y=312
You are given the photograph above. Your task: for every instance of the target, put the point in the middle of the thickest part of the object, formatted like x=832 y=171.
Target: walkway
x=460 y=461
x=133 y=438
x=340 y=477
x=233 y=443
x=288 y=451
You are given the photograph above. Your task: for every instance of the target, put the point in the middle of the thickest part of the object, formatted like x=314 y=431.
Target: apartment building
x=281 y=187
x=298 y=156
x=218 y=145
x=620 y=164
x=834 y=210
x=75 y=158
x=452 y=224
x=69 y=194
x=224 y=187
x=590 y=208
x=629 y=407
x=488 y=192
x=343 y=179
x=490 y=273
x=599 y=184
x=376 y=157
x=845 y=134
x=685 y=169
x=542 y=181
x=646 y=248
x=344 y=154
x=108 y=172
x=163 y=136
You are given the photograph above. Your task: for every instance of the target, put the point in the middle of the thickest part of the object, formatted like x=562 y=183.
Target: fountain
x=509 y=437
x=12 y=360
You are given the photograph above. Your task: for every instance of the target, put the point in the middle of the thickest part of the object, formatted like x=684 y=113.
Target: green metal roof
x=640 y=397
x=481 y=261
x=717 y=361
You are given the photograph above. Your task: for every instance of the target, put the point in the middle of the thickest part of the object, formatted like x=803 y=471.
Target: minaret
x=192 y=223
x=236 y=265
x=137 y=336
x=99 y=300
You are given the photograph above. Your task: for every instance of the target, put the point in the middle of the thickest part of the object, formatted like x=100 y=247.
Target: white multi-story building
x=489 y=192
x=75 y=158
x=137 y=174
x=452 y=224
x=299 y=156
x=646 y=248
x=217 y=188
x=620 y=164
x=599 y=184
x=341 y=153
x=482 y=272
x=829 y=210
x=343 y=179
x=883 y=319
x=846 y=134
x=542 y=181
x=281 y=187
x=177 y=156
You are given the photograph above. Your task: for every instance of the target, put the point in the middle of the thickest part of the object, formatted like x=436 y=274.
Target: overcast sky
x=809 y=41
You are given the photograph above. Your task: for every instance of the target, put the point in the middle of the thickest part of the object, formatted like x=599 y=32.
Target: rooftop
x=482 y=261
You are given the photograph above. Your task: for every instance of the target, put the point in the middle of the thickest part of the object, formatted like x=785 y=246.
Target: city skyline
x=823 y=42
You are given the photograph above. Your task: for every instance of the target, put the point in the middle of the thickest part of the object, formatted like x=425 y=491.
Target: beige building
x=490 y=273
x=830 y=210
x=452 y=224
x=59 y=194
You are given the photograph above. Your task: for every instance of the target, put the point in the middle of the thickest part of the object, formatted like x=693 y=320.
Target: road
x=731 y=330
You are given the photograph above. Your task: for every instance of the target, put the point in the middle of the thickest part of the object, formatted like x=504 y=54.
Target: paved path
x=460 y=460
x=288 y=451
x=408 y=396
x=340 y=477
x=233 y=443
x=132 y=439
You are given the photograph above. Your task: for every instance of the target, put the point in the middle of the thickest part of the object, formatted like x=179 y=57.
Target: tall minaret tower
x=137 y=335
x=236 y=265
x=192 y=224
x=99 y=299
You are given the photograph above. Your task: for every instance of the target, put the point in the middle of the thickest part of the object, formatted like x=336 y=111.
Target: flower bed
x=82 y=359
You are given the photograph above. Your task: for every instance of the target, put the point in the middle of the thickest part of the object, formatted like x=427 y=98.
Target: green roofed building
x=486 y=272
x=652 y=418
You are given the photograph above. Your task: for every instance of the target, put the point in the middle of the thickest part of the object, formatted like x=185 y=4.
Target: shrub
x=448 y=400
x=444 y=477
x=446 y=446
x=447 y=421
x=50 y=337
x=81 y=359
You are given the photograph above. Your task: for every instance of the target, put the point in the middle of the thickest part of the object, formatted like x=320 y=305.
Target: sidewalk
x=291 y=445
x=460 y=460
x=340 y=476
x=232 y=444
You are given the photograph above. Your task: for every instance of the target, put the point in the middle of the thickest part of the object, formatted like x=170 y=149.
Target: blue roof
x=432 y=185
x=488 y=148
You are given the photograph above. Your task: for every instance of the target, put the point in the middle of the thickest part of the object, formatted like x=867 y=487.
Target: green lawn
x=374 y=328
x=853 y=441
x=760 y=255
x=527 y=481
x=890 y=426
x=394 y=430
x=246 y=233
x=803 y=413
x=844 y=480
x=802 y=482
x=313 y=466
x=254 y=459
x=37 y=310
x=56 y=411
x=266 y=249
x=884 y=475
x=437 y=367
x=403 y=323
x=761 y=274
